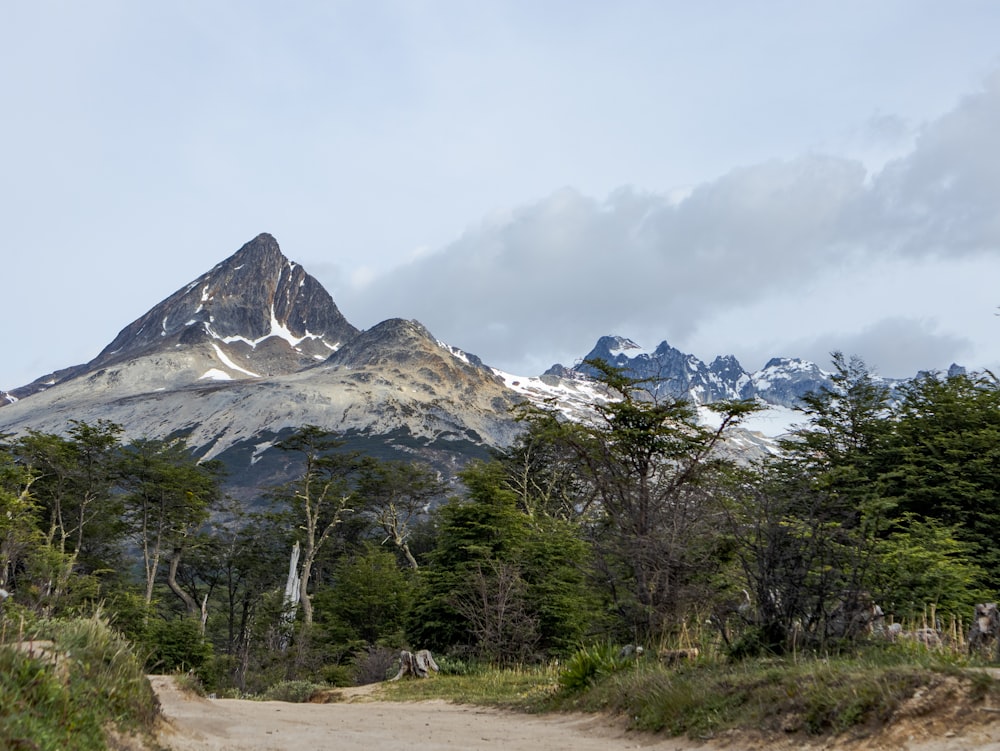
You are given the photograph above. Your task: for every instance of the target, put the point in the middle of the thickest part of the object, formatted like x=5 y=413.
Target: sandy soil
x=360 y=724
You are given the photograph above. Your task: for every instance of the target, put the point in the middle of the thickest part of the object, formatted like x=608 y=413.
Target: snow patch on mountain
x=215 y=374
x=454 y=351
x=230 y=364
x=571 y=397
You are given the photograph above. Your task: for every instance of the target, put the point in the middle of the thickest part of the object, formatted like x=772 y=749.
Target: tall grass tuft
x=67 y=695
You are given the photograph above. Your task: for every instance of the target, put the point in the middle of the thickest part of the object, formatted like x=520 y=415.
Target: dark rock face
x=256 y=308
x=670 y=371
x=783 y=381
x=786 y=380
x=254 y=294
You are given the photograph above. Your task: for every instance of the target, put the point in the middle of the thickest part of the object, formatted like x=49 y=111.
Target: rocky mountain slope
x=256 y=348
x=255 y=314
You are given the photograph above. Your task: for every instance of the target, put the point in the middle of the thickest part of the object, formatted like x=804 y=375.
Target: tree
x=75 y=479
x=30 y=567
x=396 y=494
x=319 y=498
x=168 y=497
x=541 y=470
x=523 y=576
x=493 y=600
x=810 y=524
x=925 y=563
x=243 y=566
x=943 y=462
x=19 y=532
x=371 y=598
x=649 y=464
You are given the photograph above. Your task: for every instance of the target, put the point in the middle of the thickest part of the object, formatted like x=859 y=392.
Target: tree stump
x=984 y=635
x=416 y=664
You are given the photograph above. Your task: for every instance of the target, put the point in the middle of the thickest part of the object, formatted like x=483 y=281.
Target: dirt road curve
x=197 y=724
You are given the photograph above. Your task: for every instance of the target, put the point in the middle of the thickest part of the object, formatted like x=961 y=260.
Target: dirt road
x=198 y=724
x=359 y=724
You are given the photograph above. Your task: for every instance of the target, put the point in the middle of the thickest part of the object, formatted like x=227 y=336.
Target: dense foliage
x=636 y=526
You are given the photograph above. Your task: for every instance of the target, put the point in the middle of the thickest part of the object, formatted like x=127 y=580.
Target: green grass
x=807 y=696
x=526 y=688
x=94 y=683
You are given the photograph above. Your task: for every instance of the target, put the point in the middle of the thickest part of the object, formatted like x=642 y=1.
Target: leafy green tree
x=925 y=563
x=943 y=463
x=522 y=577
x=81 y=514
x=19 y=530
x=370 y=599
x=648 y=466
x=848 y=425
x=37 y=573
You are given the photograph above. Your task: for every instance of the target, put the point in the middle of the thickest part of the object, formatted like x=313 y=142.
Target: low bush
x=587 y=665
x=293 y=691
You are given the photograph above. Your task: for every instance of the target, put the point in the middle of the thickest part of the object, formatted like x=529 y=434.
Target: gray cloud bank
x=812 y=253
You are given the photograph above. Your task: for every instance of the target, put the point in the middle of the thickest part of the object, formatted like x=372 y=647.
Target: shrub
x=176 y=646
x=374 y=665
x=586 y=666
x=293 y=691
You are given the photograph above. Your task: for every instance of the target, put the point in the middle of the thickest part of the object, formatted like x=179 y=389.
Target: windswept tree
x=319 y=497
x=397 y=495
x=168 y=495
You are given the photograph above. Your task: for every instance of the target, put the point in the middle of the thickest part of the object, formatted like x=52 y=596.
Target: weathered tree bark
x=292 y=589
x=984 y=636
x=418 y=665
x=189 y=604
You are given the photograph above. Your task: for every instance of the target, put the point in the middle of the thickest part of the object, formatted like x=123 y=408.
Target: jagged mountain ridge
x=781 y=382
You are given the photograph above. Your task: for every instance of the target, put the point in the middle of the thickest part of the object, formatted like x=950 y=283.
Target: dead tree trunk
x=291 y=599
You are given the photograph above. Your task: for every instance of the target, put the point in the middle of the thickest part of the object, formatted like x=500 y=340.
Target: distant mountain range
x=256 y=347
x=782 y=382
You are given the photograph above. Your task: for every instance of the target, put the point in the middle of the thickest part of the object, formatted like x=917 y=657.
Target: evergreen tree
x=944 y=462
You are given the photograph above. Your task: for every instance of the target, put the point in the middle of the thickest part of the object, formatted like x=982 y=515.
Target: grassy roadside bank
x=855 y=695
x=73 y=684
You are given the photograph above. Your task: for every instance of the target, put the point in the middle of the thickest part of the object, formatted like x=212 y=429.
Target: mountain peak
x=252 y=296
x=613 y=349
x=262 y=250
x=397 y=341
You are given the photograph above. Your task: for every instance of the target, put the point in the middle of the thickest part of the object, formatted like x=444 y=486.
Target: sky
x=762 y=179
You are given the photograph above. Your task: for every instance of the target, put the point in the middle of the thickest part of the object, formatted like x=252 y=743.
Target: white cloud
x=813 y=230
